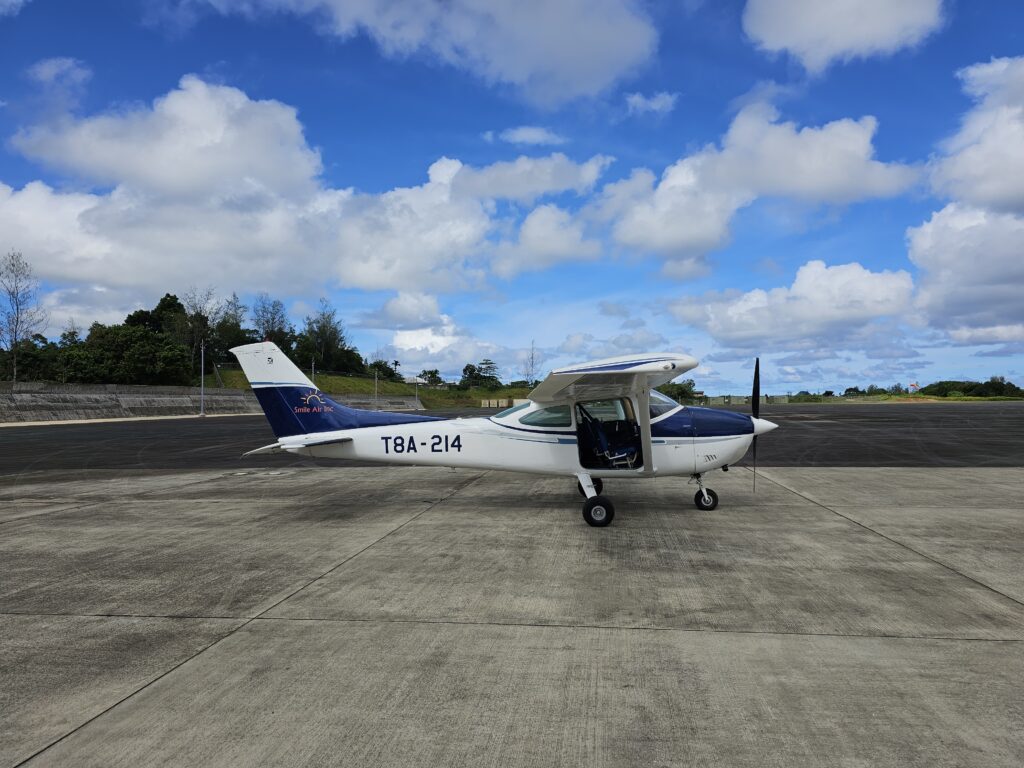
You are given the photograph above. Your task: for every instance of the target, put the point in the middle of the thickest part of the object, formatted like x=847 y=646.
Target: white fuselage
x=504 y=444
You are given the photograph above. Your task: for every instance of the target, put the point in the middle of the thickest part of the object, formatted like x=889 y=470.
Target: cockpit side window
x=661 y=404
x=556 y=416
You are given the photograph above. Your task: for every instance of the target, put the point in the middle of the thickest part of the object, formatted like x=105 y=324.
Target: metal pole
x=312 y=370
x=376 y=402
x=202 y=377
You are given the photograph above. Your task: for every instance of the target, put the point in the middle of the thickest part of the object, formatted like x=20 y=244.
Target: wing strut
x=643 y=402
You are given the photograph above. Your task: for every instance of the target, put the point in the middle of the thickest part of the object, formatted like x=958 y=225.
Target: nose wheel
x=706 y=499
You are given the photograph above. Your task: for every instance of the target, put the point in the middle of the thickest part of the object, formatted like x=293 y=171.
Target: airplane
x=594 y=421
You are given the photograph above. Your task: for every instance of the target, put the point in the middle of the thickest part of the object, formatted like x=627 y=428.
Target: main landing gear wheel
x=598 y=486
x=710 y=503
x=598 y=511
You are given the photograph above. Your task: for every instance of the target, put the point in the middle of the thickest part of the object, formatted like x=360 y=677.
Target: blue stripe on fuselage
x=703 y=422
x=295 y=410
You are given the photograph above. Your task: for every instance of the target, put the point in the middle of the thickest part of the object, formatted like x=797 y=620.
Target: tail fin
x=293 y=404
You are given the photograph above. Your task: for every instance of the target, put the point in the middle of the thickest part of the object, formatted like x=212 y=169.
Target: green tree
x=470 y=376
x=229 y=331
x=271 y=322
x=384 y=370
x=38 y=359
x=323 y=341
x=20 y=313
x=129 y=354
x=483 y=374
x=432 y=377
x=681 y=391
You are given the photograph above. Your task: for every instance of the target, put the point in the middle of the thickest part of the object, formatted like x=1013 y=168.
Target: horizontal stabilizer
x=272 y=448
x=291 y=446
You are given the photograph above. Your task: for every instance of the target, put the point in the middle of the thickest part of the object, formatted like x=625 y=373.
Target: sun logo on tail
x=312 y=399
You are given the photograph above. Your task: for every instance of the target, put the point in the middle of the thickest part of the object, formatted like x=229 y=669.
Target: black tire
x=701 y=504
x=598 y=486
x=598 y=511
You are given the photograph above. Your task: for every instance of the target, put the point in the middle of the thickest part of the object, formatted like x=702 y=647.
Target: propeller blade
x=755 y=411
x=755 y=394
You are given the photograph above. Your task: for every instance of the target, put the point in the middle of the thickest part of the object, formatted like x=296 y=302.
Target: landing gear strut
x=706 y=499
x=598 y=510
x=598 y=486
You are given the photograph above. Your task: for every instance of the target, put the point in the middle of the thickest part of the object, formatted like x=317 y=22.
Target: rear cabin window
x=606 y=410
x=556 y=416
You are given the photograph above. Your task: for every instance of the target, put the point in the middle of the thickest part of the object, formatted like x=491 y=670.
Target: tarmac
x=164 y=603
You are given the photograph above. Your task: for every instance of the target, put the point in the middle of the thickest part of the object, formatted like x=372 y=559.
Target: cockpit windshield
x=661 y=404
x=513 y=409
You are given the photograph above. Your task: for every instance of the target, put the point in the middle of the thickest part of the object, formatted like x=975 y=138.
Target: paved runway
x=164 y=603
x=884 y=435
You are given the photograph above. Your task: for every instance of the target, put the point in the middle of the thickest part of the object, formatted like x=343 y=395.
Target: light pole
x=202 y=377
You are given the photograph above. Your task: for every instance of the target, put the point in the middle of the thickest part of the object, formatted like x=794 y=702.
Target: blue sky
x=836 y=187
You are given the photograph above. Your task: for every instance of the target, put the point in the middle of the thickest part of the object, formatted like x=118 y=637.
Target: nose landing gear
x=705 y=499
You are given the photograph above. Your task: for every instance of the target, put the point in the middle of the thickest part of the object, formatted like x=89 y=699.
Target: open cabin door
x=609 y=435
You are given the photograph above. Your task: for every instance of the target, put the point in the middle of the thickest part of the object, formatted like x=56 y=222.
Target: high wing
x=612 y=377
x=629 y=376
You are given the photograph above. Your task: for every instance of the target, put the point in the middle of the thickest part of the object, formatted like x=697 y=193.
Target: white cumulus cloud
x=527 y=178
x=818 y=33
x=550 y=51
x=660 y=103
x=444 y=346
x=11 y=7
x=972 y=273
x=548 y=235
x=59 y=70
x=407 y=309
x=983 y=163
x=687 y=212
x=531 y=134
x=205 y=185
x=582 y=346
x=825 y=306
x=200 y=139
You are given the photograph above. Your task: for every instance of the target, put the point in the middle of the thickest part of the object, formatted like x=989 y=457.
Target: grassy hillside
x=358 y=385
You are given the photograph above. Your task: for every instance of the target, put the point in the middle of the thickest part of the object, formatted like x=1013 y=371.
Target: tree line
x=996 y=386
x=182 y=338
x=168 y=343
